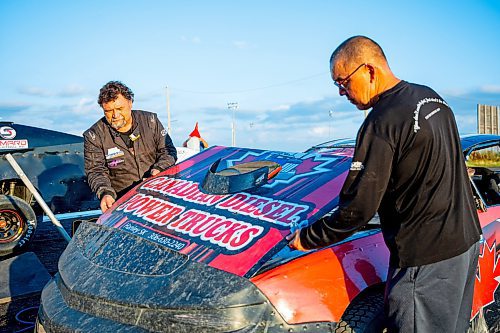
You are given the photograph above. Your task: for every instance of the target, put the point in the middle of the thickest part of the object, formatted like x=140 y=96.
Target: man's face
x=353 y=81
x=118 y=113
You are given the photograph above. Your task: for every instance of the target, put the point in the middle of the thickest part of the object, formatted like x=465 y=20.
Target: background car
x=181 y=254
x=53 y=162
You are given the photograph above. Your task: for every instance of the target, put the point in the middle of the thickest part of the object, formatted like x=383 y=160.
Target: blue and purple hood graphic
x=233 y=232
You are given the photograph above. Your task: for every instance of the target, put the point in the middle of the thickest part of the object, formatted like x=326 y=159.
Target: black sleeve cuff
x=103 y=192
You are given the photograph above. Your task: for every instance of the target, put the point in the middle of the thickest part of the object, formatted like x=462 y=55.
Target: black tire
x=17 y=224
x=364 y=314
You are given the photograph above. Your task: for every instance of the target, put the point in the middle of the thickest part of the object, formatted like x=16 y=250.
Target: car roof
x=332 y=144
x=38 y=137
x=471 y=140
x=468 y=141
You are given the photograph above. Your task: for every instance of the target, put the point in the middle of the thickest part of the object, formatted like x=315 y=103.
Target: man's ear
x=371 y=70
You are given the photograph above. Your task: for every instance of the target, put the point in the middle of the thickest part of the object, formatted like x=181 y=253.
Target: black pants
x=432 y=298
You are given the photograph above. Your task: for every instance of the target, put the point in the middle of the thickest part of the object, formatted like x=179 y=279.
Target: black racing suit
x=408 y=164
x=113 y=168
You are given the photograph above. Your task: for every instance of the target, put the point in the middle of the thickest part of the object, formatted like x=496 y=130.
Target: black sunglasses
x=340 y=84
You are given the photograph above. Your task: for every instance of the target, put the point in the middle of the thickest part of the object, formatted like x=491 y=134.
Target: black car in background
x=54 y=163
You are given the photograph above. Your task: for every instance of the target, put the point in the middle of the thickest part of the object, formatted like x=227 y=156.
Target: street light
x=330 y=124
x=233 y=106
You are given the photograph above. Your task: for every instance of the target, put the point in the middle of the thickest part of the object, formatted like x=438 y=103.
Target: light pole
x=168 y=112
x=330 y=113
x=233 y=106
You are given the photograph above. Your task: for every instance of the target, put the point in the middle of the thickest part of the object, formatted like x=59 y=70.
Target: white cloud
x=282 y=107
x=71 y=91
x=319 y=131
x=194 y=40
x=241 y=44
x=490 y=89
x=85 y=106
x=34 y=91
x=455 y=92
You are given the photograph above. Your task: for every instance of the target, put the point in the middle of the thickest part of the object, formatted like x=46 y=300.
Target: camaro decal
x=7 y=132
x=13 y=144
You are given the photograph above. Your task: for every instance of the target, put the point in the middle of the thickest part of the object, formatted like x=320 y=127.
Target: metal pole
x=233 y=106
x=168 y=113
x=37 y=196
x=330 y=113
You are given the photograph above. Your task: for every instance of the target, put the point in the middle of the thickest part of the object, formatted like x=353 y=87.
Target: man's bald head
x=359 y=69
x=358 y=50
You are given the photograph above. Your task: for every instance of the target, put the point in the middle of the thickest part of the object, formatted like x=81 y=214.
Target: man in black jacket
x=408 y=166
x=124 y=146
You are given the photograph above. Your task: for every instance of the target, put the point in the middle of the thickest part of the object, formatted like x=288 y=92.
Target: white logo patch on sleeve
x=421 y=103
x=357 y=166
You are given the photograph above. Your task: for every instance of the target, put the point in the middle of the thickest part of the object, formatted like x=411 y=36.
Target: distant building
x=487 y=119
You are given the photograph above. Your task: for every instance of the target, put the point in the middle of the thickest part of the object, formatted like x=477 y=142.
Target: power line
x=251 y=89
x=472 y=98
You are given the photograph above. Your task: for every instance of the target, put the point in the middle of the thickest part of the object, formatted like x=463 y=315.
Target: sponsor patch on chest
x=114 y=153
x=115 y=163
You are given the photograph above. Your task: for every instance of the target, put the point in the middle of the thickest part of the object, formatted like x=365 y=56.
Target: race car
x=201 y=248
x=53 y=162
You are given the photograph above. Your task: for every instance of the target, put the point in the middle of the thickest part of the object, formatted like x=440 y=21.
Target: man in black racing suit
x=124 y=146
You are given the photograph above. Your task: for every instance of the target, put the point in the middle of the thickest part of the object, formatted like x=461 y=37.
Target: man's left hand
x=154 y=172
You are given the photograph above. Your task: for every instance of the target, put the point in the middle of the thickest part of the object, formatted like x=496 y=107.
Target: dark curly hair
x=110 y=91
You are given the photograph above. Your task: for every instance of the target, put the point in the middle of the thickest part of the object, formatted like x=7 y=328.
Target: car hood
x=236 y=232
x=111 y=280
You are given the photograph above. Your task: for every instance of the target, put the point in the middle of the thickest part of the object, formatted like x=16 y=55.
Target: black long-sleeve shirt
x=408 y=165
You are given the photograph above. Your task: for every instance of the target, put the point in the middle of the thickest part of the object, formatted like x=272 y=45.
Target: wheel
x=17 y=224
x=365 y=315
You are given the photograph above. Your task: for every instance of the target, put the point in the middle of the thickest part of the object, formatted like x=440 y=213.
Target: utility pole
x=330 y=124
x=168 y=112
x=233 y=106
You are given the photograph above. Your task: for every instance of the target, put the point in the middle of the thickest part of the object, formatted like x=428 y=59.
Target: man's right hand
x=106 y=202
x=294 y=241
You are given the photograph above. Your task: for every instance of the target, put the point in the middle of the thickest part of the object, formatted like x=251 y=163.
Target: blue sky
x=269 y=56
